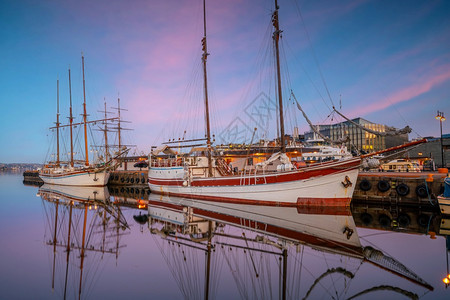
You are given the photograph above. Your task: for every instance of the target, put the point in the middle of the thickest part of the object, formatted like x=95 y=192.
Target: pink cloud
x=415 y=89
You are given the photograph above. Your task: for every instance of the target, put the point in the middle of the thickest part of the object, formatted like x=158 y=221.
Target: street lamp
x=441 y=118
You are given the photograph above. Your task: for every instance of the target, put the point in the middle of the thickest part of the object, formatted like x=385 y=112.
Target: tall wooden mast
x=85 y=115
x=276 y=38
x=57 y=123
x=106 y=136
x=71 y=122
x=204 y=57
x=118 y=124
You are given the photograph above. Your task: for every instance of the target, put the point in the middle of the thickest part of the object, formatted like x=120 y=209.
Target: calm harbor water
x=53 y=248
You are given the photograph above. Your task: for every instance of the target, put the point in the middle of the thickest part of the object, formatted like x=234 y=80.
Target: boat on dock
x=204 y=173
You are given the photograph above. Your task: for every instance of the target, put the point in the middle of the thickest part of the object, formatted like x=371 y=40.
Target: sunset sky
x=385 y=61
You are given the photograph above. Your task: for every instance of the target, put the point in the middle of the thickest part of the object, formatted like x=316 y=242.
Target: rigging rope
x=387 y=288
x=342 y=140
x=314 y=54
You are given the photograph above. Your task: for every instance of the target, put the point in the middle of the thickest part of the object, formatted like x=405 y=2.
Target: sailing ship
x=280 y=232
x=78 y=173
x=205 y=174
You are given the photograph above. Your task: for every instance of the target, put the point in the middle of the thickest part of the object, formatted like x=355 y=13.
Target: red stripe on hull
x=323 y=201
x=332 y=202
x=324 y=210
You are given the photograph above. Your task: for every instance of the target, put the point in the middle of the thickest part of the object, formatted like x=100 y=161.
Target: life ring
x=422 y=191
x=403 y=220
x=384 y=220
x=402 y=189
x=383 y=185
x=366 y=219
x=365 y=185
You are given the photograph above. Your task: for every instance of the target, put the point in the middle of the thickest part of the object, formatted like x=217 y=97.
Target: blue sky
x=388 y=62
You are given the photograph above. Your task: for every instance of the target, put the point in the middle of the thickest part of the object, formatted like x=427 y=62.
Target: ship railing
x=167 y=162
x=249 y=176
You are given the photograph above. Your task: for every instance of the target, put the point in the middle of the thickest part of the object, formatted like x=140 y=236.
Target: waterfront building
x=360 y=140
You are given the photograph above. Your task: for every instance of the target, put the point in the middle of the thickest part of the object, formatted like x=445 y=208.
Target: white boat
x=79 y=173
x=75 y=176
x=205 y=174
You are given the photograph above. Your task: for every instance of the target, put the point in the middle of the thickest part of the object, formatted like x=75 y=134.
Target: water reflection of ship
x=80 y=220
x=222 y=230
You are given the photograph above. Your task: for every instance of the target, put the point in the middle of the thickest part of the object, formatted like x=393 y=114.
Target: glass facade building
x=360 y=139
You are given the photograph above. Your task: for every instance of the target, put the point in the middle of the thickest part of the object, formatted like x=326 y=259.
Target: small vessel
x=77 y=173
x=205 y=174
x=324 y=152
x=401 y=165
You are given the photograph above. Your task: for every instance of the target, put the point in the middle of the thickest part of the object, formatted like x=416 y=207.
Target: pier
x=406 y=188
x=399 y=187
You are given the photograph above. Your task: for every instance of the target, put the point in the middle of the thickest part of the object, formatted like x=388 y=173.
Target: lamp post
x=441 y=118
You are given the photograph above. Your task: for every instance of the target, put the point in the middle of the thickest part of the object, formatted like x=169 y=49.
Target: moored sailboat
x=84 y=173
x=205 y=174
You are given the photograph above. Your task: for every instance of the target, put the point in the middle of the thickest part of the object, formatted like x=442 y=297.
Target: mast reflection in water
x=82 y=228
x=270 y=252
x=184 y=249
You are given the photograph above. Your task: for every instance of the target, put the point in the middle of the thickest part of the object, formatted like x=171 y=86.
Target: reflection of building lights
x=90 y=207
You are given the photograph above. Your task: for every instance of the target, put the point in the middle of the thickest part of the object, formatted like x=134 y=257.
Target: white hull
x=444 y=205
x=321 y=189
x=76 y=178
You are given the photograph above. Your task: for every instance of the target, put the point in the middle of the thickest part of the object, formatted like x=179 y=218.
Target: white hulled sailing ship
x=205 y=174
x=77 y=173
